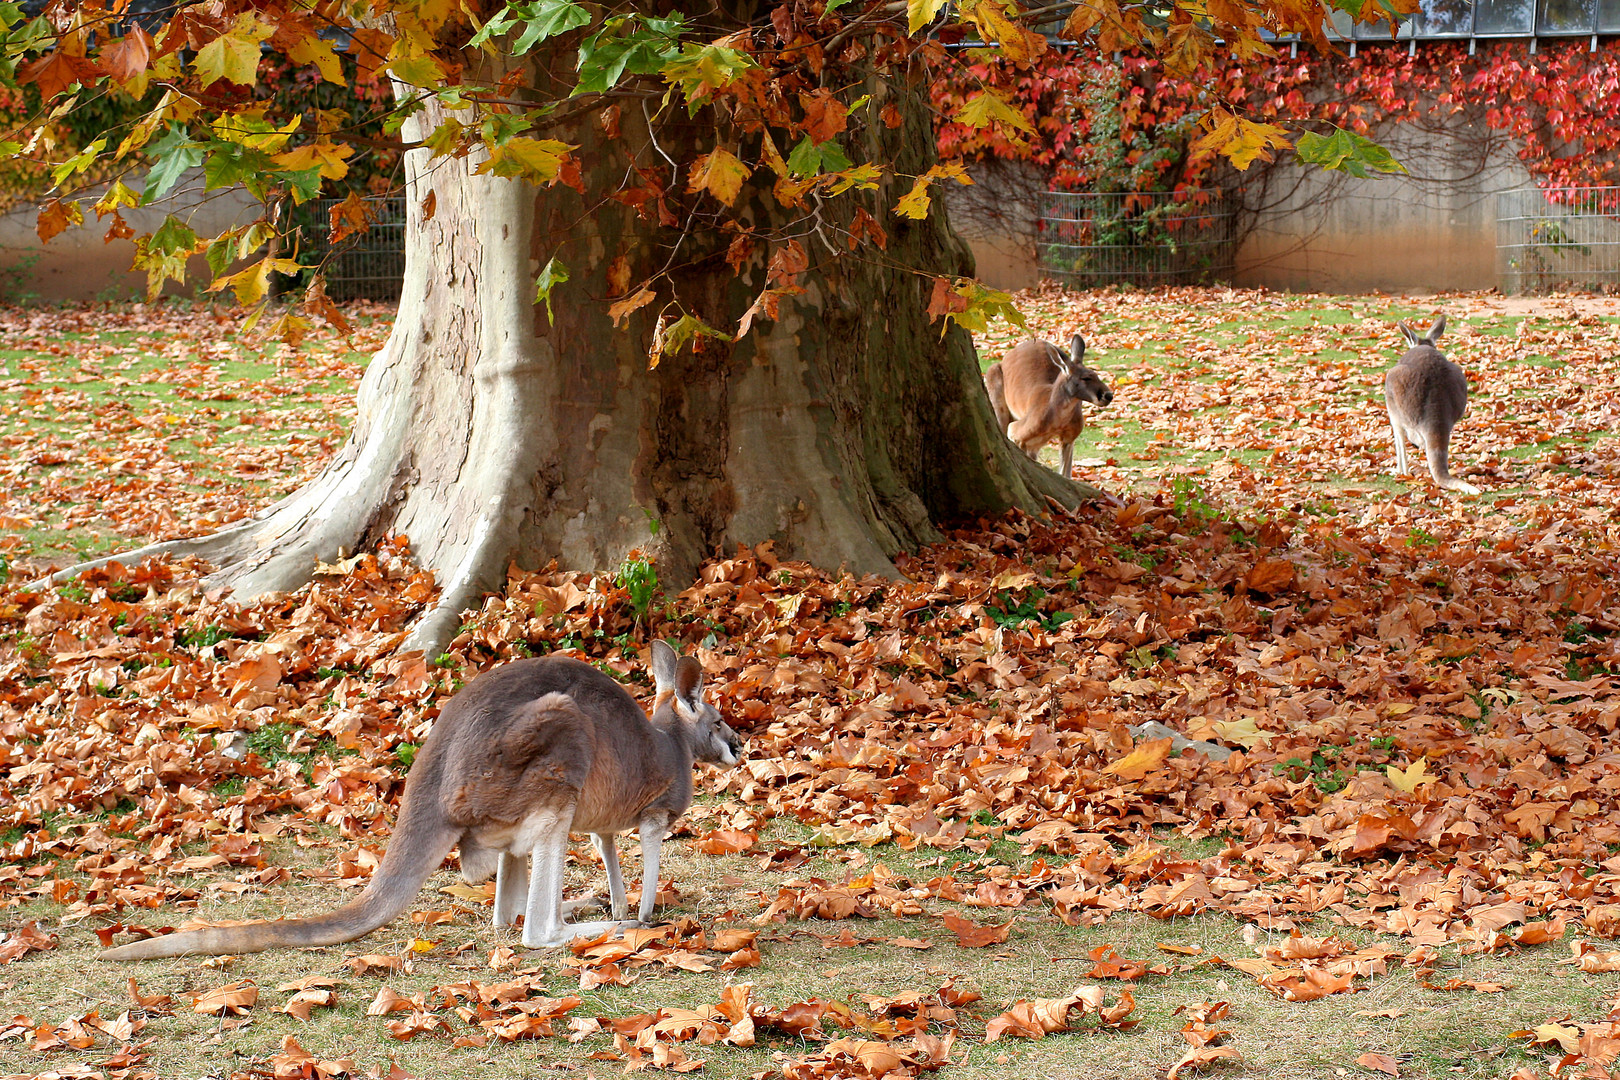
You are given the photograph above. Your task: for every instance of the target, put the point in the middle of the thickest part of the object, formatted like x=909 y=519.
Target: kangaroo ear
x=664 y=665
x=689 y=683
x=1409 y=335
x=1436 y=328
x=1077 y=348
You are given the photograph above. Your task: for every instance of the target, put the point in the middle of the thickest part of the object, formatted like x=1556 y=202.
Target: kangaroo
x=520 y=757
x=1426 y=395
x=1039 y=395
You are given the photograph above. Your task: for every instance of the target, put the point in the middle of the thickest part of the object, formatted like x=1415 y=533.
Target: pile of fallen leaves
x=1399 y=714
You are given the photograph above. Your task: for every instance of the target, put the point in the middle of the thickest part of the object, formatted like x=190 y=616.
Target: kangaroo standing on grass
x=1039 y=395
x=1426 y=395
x=523 y=755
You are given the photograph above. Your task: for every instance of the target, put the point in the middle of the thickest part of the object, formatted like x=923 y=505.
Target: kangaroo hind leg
x=511 y=888
x=543 y=925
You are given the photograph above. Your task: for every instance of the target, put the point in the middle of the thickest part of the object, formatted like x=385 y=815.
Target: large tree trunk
x=486 y=432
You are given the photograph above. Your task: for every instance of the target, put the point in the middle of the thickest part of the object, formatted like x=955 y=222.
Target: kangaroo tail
x=1437 y=453
x=417 y=849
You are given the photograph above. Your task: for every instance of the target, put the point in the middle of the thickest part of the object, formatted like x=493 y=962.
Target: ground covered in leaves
x=953 y=845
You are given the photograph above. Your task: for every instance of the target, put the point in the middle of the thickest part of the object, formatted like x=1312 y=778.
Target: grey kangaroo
x=523 y=755
x=1039 y=394
x=1426 y=395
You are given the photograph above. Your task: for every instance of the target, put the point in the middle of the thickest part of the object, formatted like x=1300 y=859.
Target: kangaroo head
x=679 y=680
x=1077 y=381
x=1431 y=339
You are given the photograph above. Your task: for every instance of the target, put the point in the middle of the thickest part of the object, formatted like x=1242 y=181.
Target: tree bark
x=846 y=430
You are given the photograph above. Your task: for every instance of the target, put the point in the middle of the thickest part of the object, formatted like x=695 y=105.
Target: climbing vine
x=1128 y=125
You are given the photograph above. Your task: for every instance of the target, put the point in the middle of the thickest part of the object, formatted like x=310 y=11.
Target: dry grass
x=1430 y=1033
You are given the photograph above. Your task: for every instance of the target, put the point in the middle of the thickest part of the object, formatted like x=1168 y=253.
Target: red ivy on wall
x=1125 y=125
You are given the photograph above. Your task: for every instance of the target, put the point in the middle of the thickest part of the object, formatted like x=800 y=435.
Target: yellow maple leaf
x=319 y=54
x=721 y=173
x=920 y=13
x=1240 y=140
x=987 y=108
x=534 y=160
x=234 y=55
x=417 y=70
x=1411 y=777
x=253 y=284
x=994 y=20
x=326 y=156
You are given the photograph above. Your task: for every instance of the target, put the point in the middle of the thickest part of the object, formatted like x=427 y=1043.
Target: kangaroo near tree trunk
x=846 y=429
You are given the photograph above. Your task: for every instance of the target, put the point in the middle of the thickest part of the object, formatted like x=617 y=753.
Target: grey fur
x=520 y=757
x=1426 y=395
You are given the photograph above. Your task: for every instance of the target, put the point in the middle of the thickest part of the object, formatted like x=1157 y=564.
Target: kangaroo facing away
x=1426 y=395
x=1040 y=395
x=520 y=757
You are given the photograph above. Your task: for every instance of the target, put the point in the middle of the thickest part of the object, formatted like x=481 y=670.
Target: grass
x=1334 y=357
x=121 y=418
x=111 y=393
x=1430 y=1033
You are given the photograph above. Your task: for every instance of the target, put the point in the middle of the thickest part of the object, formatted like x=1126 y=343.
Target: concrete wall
x=1431 y=230
x=79 y=265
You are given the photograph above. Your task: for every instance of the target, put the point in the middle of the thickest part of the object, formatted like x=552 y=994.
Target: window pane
x=1566 y=16
x=1609 y=15
x=1505 y=17
x=1449 y=18
x=1379 y=31
x=1341 y=24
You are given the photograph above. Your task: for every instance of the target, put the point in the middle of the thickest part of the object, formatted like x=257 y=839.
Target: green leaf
x=553 y=274
x=304 y=184
x=499 y=128
x=547 y=19
x=699 y=70
x=221 y=252
x=174 y=154
x=78 y=162
x=1346 y=152
x=813 y=158
x=678 y=333
x=174 y=237
x=229 y=164
x=499 y=23
x=634 y=44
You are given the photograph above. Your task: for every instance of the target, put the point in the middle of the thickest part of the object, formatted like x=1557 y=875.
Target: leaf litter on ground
x=1418 y=692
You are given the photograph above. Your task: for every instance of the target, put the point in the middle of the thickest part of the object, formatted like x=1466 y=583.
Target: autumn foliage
x=1417 y=695
x=1131 y=126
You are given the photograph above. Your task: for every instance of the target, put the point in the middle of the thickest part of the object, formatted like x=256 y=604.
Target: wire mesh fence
x=1091 y=238
x=363 y=266
x=1558 y=238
